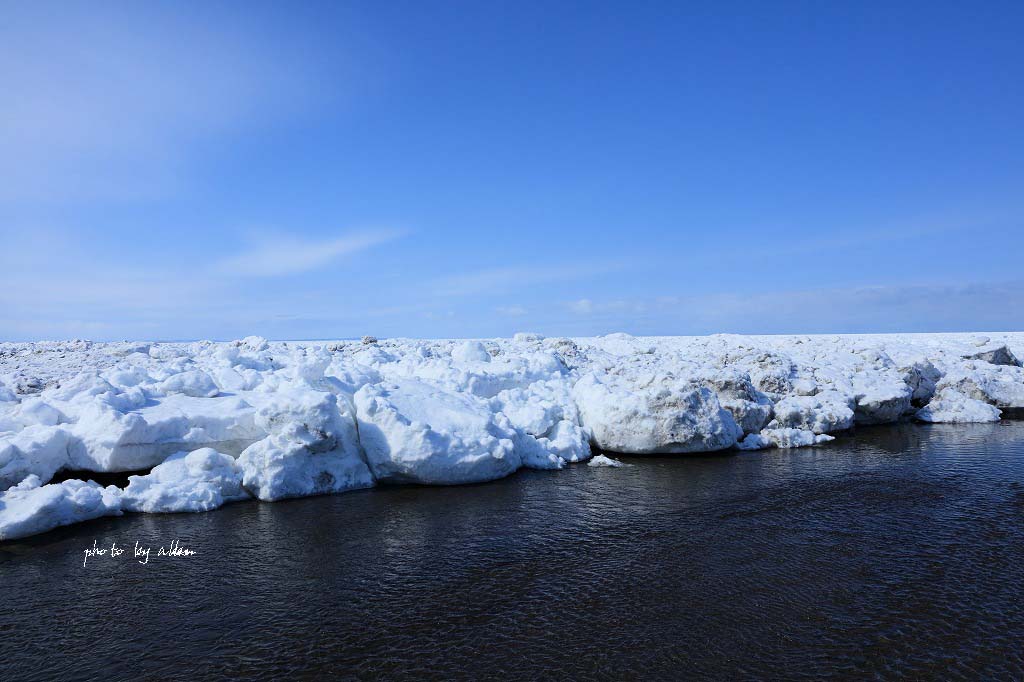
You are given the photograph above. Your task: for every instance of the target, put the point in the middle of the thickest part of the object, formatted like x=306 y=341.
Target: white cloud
x=55 y=283
x=285 y=255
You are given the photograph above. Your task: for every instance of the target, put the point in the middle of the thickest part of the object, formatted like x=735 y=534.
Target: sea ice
x=951 y=406
x=999 y=385
x=602 y=461
x=997 y=354
x=749 y=407
x=30 y=508
x=417 y=433
x=196 y=481
x=654 y=415
x=822 y=413
x=782 y=438
x=312 y=448
x=306 y=418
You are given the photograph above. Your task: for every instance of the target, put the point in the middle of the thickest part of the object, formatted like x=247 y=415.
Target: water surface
x=896 y=549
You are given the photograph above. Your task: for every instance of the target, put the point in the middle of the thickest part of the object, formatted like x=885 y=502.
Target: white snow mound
x=602 y=461
x=413 y=432
x=196 y=481
x=30 y=508
x=951 y=406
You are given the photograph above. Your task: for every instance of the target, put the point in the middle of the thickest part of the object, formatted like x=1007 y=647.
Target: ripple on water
x=894 y=550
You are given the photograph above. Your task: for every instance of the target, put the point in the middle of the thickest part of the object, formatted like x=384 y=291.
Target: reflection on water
x=897 y=548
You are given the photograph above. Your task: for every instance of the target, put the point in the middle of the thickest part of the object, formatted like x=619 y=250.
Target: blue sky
x=304 y=170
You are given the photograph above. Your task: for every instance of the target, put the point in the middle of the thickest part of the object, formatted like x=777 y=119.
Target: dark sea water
x=894 y=551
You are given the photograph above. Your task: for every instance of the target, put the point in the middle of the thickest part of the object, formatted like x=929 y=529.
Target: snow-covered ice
x=602 y=461
x=416 y=432
x=29 y=507
x=216 y=422
x=951 y=406
x=200 y=480
x=783 y=438
x=312 y=447
x=653 y=415
x=1002 y=386
x=824 y=412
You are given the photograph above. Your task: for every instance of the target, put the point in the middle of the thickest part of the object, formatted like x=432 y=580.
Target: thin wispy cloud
x=284 y=255
x=79 y=288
